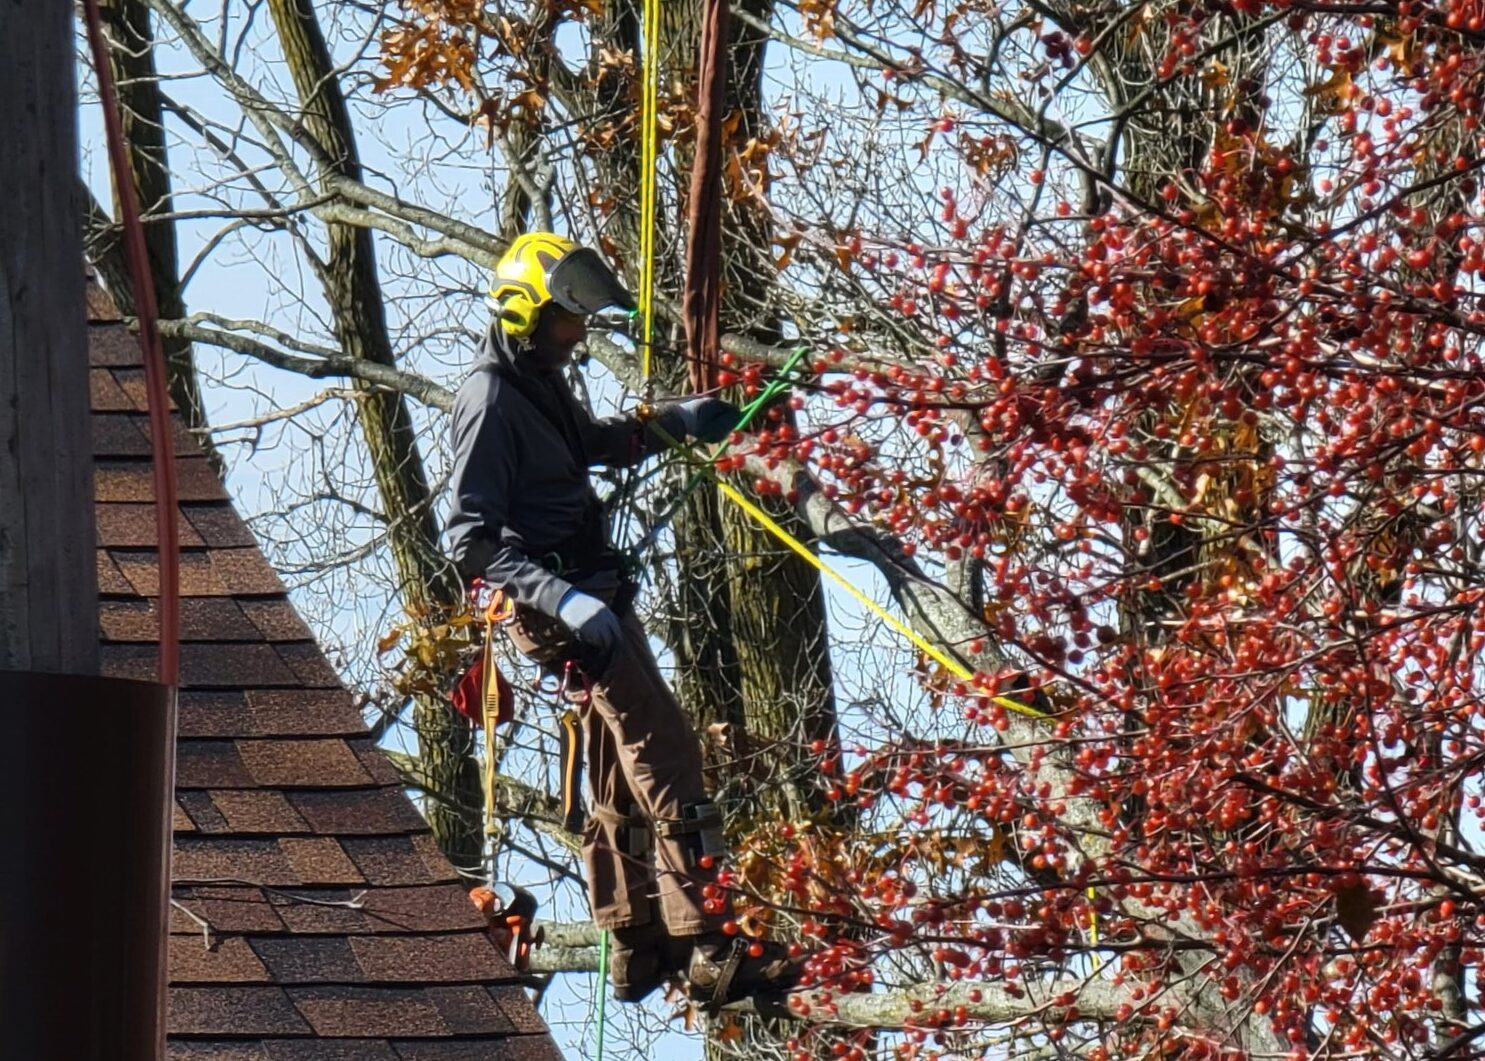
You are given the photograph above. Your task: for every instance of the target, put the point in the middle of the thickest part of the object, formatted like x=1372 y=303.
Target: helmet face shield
x=581 y=282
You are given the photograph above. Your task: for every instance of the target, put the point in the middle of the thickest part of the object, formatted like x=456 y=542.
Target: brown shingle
x=518 y=1009
x=388 y=860
x=136 y=662
x=246 y=811
x=133 y=480
x=229 y=960
x=133 y=381
x=202 y=811
x=437 y=907
x=309 y=960
x=332 y=1050
x=197 y=576
x=309 y=664
x=110 y=578
x=211 y=858
x=119 y=435
x=276 y=620
x=132 y=620
x=105 y=394
x=246 y=571
x=202 y=665
x=341 y=1012
x=214 y=619
x=469 y=1010
x=483 y=1049
x=203 y=714
x=464 y=956
x=376 y=764
x=209 y=764
x=354 y=813
x=126 y=525
x=221 y=1050
x=234 y=1011
x=201 y=619
x=225 y=909
x=512 y=1048
x=434 y=863
x=303 y=712
x=319 y=860
x=102 y=308
x=186 y=443
x=180 y=821
x=219 y=525
x=302 y=763
x=225 y=666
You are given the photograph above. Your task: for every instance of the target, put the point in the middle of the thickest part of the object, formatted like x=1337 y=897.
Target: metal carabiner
x=575 y=688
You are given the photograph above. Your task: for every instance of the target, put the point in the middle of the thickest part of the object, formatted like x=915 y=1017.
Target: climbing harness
x=700 y=825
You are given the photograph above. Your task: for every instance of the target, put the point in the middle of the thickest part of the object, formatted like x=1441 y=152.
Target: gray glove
x=708 y=419
x=591 y=620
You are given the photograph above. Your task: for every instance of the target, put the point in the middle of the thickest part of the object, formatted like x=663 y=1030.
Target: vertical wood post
x=86 y=765
x=48 y=581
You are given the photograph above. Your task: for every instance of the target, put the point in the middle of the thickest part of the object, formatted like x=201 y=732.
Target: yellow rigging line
x=648 y=177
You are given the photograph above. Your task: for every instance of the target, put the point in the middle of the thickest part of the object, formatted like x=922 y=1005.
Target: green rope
x=780 y=383
x=602 y=987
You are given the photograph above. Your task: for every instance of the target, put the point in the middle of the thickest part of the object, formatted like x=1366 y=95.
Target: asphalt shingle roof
x=337 y=929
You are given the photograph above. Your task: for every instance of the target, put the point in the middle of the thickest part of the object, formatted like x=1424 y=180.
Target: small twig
x=205 y=925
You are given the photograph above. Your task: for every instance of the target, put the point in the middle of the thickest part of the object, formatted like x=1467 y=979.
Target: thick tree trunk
x=48 y=584
x=426 y=581
x=778 y=612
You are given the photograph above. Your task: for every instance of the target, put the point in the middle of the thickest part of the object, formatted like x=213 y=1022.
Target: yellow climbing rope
x=648 y=177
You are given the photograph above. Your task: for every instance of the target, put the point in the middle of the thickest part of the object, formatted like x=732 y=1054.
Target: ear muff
x=520 y=287
x=517 y=305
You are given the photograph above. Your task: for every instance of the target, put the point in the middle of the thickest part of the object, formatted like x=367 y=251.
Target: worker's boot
x=641 y=959
x=721 y=970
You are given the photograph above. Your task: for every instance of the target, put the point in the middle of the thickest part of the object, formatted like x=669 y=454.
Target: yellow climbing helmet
x=542 y=267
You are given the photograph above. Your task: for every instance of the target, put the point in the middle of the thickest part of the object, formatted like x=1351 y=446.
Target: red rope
x=701 y=300
x=161 y=440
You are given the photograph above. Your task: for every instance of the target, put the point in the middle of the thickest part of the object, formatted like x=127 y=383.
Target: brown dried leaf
x=1356 y=910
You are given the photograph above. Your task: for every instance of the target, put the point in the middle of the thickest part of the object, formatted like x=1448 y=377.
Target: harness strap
x=707 y=817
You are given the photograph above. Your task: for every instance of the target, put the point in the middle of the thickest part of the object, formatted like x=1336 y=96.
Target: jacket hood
x=501 y=350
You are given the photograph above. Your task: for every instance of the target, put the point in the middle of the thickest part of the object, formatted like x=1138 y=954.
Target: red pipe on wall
x=161 y=442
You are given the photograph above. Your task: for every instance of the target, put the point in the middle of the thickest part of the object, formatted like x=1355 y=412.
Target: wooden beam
x=48 y=584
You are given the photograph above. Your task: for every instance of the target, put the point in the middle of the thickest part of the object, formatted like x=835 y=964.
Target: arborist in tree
x=527 y=521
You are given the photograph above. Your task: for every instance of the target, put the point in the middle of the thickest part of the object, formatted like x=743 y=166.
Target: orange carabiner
x=501 y=608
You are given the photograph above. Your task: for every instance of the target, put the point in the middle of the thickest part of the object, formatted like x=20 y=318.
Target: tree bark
x=778 y=612
x=426 y=581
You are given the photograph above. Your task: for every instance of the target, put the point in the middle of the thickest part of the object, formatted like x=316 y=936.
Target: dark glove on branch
x=707 y=419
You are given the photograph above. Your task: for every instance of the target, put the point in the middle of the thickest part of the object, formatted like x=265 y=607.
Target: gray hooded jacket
x=521 y=494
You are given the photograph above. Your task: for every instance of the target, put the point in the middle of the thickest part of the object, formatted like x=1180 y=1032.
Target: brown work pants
x=644 y=766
